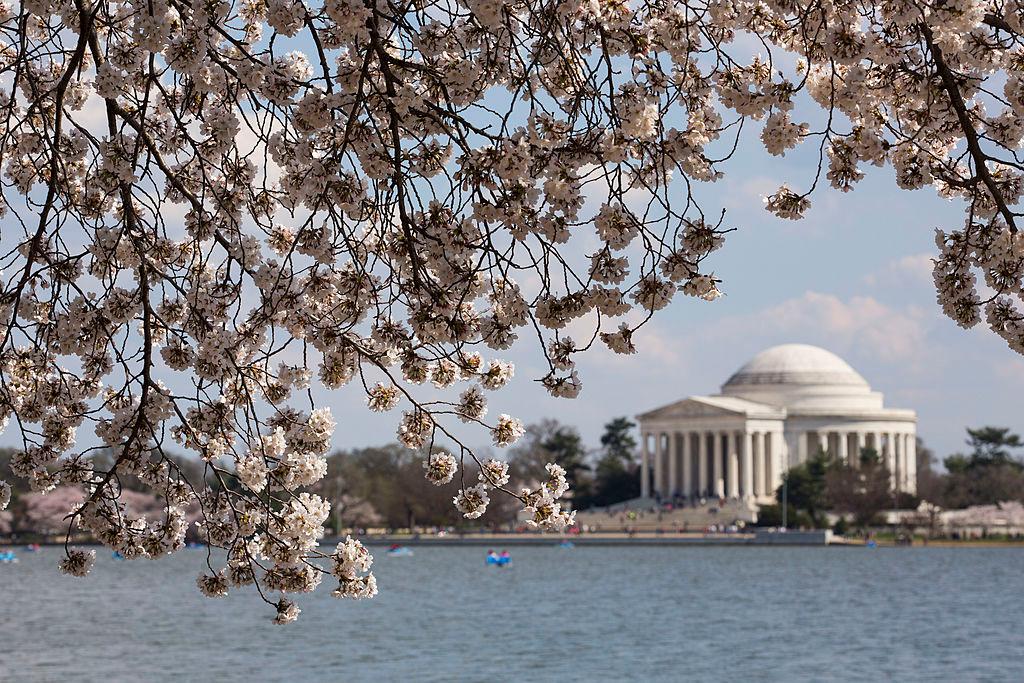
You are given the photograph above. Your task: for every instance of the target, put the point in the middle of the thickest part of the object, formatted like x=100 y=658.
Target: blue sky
x=854 y=277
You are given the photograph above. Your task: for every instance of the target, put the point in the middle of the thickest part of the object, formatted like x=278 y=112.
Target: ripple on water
x=625 y=613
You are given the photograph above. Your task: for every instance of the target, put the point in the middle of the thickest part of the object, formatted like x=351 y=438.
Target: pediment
x=689 y=407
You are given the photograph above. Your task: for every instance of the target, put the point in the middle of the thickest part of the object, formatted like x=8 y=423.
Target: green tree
x=386 y=485
x=617 y=442
x=771 y=515
x=805 y=487
x=931 y=483
x=924 y=456
x=861 y=491
x=567 y=450
x=549 y=441
x=989 y=473
x=615 y=476
x=993 y=446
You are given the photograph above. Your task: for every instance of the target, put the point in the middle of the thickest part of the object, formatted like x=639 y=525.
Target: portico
x=787 y=403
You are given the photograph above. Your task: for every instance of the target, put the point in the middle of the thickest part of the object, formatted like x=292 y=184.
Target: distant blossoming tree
x=210 y=206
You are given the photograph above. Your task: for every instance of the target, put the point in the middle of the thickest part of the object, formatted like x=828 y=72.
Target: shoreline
x=646 y=539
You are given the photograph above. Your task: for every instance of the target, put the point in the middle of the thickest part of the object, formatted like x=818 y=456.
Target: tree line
x=991 y=471
x=384 y=486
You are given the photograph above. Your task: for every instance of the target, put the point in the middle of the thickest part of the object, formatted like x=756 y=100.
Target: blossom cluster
x=213 y=210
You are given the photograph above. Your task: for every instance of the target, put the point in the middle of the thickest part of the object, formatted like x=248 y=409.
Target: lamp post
x=785 y=498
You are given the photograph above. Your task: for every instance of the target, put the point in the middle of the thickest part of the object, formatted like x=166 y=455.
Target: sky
x=854 y=277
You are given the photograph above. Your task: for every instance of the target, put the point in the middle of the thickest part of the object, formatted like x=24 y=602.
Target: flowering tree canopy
x=210 y=206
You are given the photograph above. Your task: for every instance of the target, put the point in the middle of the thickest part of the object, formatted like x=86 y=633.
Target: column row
x=728 y=464
x=896 y=450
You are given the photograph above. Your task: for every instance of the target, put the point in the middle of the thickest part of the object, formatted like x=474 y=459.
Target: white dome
x=796 y=364
x=801 y=376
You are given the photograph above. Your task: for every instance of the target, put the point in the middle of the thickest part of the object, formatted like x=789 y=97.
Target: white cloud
x=744 y=201
x=914 y=269
x=860 y=325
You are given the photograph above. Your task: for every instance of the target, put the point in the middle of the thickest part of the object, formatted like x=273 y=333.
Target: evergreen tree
x=617 y=442
x=862 y=490
x=551 y=441
x=805 y=486
x=616 y=476
x=993 y=446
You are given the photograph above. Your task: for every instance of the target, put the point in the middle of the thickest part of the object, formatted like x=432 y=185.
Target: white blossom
x=287 y=612
x=382 y=397
x=507 y=431
x=213 y=585
x=472 y=502
x=494 y=473
x=371 y=225
x=620 y=341
x=787 y=204
x=252 y=472
x=440 y=468
x=78 y=562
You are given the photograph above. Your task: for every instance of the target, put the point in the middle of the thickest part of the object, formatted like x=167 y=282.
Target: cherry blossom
x=213 y=210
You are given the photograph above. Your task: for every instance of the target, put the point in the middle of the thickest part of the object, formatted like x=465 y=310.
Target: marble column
x=656 y=467
x=822 y=442
x=897 y=459
x=912 y=463
x=844 y=445
x=862 y=443
x=673 y=466
x=687 y=464
x=702 y=463
x=717 y=483
x=748 y=465
x=732 y=465
x=890 y=458
x=802 y=446
x=645 y=472
x=779 y=460
x=901 y=461
x=905 y=462
x=758 y=439
x=663 y=463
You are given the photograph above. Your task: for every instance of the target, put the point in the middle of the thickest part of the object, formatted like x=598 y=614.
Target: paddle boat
x=566 y=544
x=8 y=557
x=497 y=560
x=117 y=555
x=399 y=551
x=32 y=547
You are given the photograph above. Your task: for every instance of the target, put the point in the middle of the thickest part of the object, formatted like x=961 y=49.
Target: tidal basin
x=585 y=613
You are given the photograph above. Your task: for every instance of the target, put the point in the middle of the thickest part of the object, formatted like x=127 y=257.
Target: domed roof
x=795 y=364
x=802 y=379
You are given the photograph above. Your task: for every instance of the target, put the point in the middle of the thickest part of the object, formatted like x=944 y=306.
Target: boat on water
x=116 y=555
x=400 y=551
x=32 y=547
x=8 y=557
x=566 y=544
x=497 y=560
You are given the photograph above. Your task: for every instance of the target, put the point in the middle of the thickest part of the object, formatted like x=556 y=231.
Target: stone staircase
x=646 y=514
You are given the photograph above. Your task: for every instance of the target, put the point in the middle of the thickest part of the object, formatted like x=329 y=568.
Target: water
x=627 y=613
